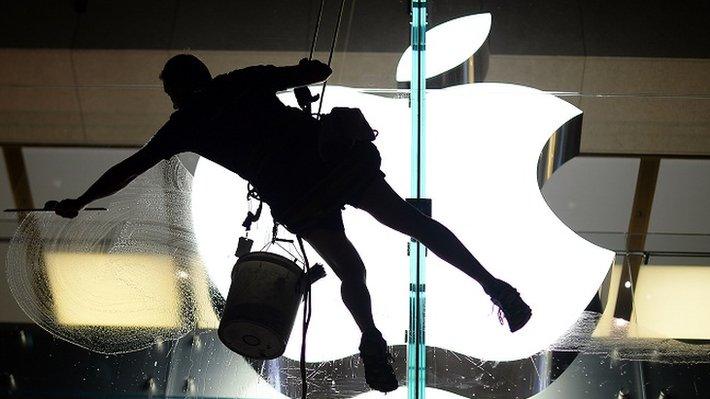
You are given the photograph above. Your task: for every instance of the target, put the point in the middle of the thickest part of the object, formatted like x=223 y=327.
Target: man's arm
x=113 y=180
x=306 y=73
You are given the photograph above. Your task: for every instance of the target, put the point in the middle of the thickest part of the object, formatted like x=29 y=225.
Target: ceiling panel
x=593 y=194
x=645 y=125
x=37 y=23
x=643 y=29
x=682 y=200
x=128 y=68
x=123 y=116
x=57 y=173
x=6 y=200
x=518 y=28
x=35 y=67
x=40 y=114
x=645 y=76
x=592 y=28
x=126 y=24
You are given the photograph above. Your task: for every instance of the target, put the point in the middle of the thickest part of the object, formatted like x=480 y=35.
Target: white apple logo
x=483 y=145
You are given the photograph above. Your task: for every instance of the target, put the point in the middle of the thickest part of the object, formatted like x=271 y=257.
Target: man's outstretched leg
x=335 y=248
x=385 y=205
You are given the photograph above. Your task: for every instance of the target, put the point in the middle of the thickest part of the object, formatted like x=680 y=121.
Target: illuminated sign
x=483 y=145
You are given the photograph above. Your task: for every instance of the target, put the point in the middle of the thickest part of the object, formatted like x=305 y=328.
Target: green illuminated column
x=416 y=346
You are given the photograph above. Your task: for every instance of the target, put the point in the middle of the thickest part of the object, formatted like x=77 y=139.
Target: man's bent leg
x=335 y=248
x=387 y=207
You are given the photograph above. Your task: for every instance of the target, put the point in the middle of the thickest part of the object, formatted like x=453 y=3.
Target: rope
x=315 y=32
x=306 y=318
x=330 y=55
x=307 y=292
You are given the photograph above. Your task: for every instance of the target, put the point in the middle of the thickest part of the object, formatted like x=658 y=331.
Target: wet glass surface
x=142 y=322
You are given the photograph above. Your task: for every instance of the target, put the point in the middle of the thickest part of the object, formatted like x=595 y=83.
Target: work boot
x=510 y=305
x=378 y=363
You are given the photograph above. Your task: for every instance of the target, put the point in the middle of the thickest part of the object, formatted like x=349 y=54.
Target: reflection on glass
x=629 y=103
x=122 y=290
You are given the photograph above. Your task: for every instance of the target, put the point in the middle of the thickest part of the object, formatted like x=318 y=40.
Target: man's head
x=182 y=76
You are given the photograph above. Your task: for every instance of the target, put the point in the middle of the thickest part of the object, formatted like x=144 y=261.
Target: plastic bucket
x=261 y=306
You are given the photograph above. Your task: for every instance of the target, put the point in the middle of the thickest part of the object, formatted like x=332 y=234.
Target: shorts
x=321 y=206
x=331 y=220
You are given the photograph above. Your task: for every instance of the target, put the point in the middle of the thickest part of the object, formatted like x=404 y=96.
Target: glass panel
x=65 y=172
x=416 y=345
x=112 y=89
x=333 y=363
x=85 y=74
x=593 y=58
x=104 y=90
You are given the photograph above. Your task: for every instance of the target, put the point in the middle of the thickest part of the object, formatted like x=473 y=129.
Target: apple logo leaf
x=448 y=45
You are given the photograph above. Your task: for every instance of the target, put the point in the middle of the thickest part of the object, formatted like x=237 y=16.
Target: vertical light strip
x=416 y=346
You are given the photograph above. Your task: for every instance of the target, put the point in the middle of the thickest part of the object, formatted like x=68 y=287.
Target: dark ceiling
x=672 y=29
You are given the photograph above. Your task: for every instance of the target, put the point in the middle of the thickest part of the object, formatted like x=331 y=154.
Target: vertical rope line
x=307 y=293
x=306 y=317
x=330 y=56
x=315 y=32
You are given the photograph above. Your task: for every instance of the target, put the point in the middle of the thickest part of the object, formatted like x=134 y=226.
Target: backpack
x=340 y=130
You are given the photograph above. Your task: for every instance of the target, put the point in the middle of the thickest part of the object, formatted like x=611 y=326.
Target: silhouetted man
x=237 y=121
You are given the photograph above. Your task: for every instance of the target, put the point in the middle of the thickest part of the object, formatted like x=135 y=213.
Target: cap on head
x=186 y=72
